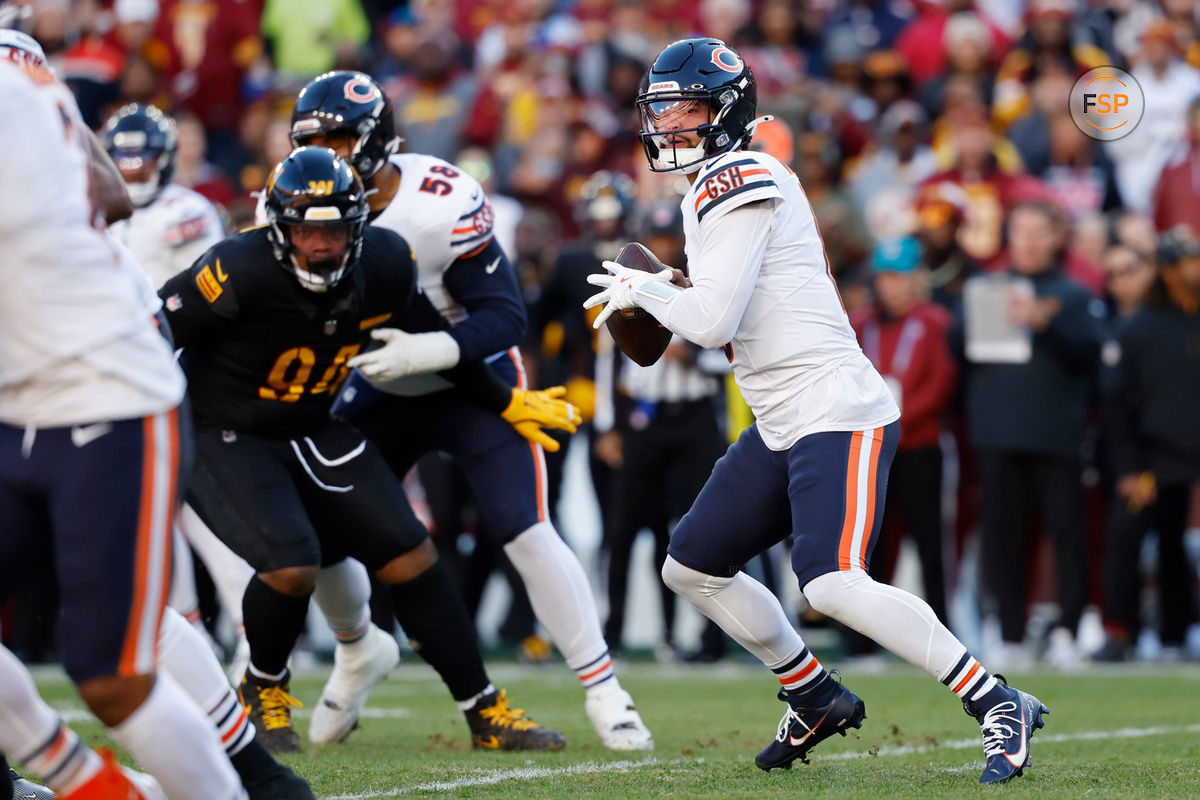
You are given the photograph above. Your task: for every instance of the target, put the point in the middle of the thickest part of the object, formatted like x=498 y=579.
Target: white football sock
x=742 y=607
x=896 y=619
x=343 y=594
x=175 y=742
x=30 y=731
x=187 y=658
x=559 y=593
x=230 y=573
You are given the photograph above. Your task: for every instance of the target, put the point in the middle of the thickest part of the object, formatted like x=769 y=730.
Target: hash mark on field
x=523 y=773
x=591 y=767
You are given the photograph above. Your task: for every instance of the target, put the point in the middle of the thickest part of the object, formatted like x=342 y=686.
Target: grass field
x=1127 y=732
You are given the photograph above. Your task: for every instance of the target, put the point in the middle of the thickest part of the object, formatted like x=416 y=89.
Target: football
x=639 y=335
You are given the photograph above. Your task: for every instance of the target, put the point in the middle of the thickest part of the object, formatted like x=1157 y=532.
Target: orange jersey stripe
x=759 y=171
x=172 y=511
x=845 y=543
x=141 y=577
x=869 y=521
x=477 y=250
x=468 y=229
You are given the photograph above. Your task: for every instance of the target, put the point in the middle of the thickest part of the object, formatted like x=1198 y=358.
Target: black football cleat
x=278 y=784
x=1007 y=729
x=269 y=707
x=495 y=726
x=802 y=729
x=28 y=790
x=265 y=778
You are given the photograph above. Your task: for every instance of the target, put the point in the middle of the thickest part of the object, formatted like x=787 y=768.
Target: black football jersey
x=264 y=355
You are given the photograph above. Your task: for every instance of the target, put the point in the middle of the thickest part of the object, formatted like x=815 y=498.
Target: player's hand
x=406 y=353
x=619 y=288
x=530 y=411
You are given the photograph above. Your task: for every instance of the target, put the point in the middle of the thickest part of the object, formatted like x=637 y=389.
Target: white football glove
x=620 y=287
x=406 y=353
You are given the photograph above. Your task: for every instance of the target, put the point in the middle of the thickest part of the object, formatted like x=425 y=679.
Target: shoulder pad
x=731 y=181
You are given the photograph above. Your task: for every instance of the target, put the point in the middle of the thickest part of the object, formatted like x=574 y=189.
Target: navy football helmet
x=141 y=140
x=315 y=187
x=351 y=103
x=695 y=74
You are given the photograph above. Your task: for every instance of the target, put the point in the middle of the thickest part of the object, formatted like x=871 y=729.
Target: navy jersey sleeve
x=485 y=284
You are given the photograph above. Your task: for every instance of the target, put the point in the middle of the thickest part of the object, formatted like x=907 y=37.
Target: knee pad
x=690 y=582
x=830 y=594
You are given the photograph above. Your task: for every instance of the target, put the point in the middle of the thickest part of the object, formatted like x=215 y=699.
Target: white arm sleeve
x=731 y=251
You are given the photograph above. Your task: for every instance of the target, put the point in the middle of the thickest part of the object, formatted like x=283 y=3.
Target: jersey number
x=287 y=379
x=437 y=185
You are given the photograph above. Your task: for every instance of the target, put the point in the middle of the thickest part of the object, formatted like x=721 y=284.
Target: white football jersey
x=443 y=213
x=78 y=341
x=795 y=356
x=167 y=236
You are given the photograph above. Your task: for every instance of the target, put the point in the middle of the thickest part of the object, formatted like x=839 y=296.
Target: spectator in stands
x=968 y=43
x=940 y=211
x=204 y=51
x=1177 y=197
x=992 y=180
x=1051 y=40
x=1152 y=393
x=1026 y=424
x=818 y=165
x=904 y=335
x=1170 y=86
x=901 y=162
x=304 y=37
x=922 y=42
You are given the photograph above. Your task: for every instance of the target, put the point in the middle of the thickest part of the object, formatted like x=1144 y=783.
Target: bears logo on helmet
x=351 y=104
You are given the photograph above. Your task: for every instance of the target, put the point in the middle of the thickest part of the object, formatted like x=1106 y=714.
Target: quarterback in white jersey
x=816 y=459
x=394 y=399
x=90 y=443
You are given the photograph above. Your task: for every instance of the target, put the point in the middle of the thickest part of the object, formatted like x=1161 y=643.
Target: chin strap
x=754 y=123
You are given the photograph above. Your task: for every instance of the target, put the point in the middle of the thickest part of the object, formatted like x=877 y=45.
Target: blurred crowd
x=934 y=142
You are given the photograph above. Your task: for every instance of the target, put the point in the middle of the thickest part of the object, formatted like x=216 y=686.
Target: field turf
x=1122 y=732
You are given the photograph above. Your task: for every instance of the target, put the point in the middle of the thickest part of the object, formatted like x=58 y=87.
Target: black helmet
x=696 y=71
x=315 y=187
x=138 y=135
x=351 y=103
x=606 y=197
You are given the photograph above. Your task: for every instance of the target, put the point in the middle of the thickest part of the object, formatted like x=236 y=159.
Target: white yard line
x=591 y=767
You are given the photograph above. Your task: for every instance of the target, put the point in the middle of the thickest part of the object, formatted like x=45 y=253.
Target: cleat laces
x=500 y=715
x=276 y=707
x=997 y=730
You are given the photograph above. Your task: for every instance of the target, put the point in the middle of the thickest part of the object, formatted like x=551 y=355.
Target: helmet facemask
x=142 y=192
x=317 y=274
